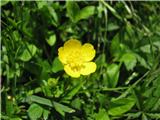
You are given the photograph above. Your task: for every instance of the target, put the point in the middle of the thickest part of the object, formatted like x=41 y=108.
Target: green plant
x=125 y=36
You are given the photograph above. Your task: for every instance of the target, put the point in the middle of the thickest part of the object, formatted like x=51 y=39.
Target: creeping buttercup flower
x=76 y=58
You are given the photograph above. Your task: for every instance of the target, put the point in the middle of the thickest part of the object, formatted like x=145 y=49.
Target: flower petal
x=70 y=72
x=88 y=68
x=72 y=44
x=70 y=47
x=88 y=52
x=62 y=55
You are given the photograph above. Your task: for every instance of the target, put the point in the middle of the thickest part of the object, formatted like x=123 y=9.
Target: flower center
x=76 y=68
x=75 y=61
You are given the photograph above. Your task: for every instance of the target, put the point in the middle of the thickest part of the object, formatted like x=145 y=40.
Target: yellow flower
x=76 y=58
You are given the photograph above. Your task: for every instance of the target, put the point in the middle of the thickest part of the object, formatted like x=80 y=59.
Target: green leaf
x=35 y=111
x=4 y=117
x=115 y=46
x=113 y=75
x=46 y=114
x=118 y=48
x=120 y=106
x=46 y=68
x=73 y=91
x=148 y=48
x=28 y=53
x=144 y=117
x=16 y=35
x=56 y=65
x=72 y=10
x=59 y=107
x=49 y=15
x=54 y=16
x=15 y=119
x=142 y=61
x=52 y=82
x=112 y=27
x=156 y=93
x=102 y=115
x=153 y=115
x=9 y=108
x=135 y=115
x=39 y=100
x=62 y=108
x=40 y=4
x=129 y=60
x=76 y=103
x=85 y=13
x=113 y=11
x=151 y=102
x=4 y=2
x=33 y=68
x=101 y=60
x=52 y=40
x=129 y=35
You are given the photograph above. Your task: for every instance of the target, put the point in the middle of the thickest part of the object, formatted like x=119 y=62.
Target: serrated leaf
x=129 y=60
x=102 y=115
x=142 y=61
x=35 y=111
x=144 y=117
x=148 y=48
x=150 y=103
x=156 y=93
x=133 y=115
x=153 y=115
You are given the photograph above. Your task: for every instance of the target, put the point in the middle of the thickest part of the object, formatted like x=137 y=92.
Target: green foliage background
x=126 y=84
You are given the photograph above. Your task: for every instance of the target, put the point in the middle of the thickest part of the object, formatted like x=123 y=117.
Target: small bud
x=9 y=97
x=52 y=82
